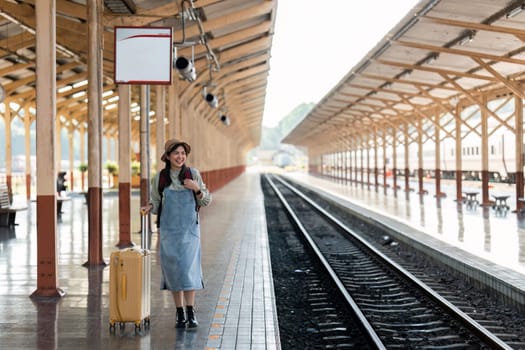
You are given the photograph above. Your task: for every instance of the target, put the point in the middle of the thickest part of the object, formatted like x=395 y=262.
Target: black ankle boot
x=192 y=320
x=181 y=321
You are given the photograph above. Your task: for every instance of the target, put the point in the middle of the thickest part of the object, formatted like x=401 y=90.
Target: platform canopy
x=231 y=52
x=440 y=55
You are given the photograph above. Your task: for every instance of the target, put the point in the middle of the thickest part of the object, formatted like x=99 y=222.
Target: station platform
x=485 y=243
x=236 y=310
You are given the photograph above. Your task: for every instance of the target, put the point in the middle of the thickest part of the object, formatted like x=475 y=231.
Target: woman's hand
x=146 y=209
x=191 y=185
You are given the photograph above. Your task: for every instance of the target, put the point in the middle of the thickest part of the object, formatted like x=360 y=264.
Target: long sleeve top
x=155 y=196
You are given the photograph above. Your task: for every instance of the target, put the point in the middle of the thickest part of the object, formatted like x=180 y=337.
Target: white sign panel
x=143 y=55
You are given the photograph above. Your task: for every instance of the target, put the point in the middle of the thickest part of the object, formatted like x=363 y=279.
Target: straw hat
x=171 y=144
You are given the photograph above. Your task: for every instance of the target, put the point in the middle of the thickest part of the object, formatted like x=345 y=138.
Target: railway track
x=393 y=308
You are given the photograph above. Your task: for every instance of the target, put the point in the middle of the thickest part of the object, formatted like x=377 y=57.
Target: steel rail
x=481 y=332
x=366 y=326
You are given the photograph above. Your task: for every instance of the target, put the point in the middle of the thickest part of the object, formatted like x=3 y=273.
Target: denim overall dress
x=180 y=248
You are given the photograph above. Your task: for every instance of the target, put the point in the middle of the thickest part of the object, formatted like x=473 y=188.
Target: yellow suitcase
x=129 y=285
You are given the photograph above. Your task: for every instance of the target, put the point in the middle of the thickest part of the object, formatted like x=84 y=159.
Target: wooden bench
x=7 y=210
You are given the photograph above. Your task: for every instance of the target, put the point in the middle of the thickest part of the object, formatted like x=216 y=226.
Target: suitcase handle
x=144 y=223
x=124 y=284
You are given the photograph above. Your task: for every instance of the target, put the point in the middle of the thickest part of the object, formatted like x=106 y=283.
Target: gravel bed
x=293 y=272
x=482 y=299
x=294 y=326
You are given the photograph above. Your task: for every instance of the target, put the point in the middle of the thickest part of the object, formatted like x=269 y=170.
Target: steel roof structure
x=442 y=54
x=232 y=41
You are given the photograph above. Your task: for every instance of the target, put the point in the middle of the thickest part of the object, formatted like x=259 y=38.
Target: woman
x=177 y=192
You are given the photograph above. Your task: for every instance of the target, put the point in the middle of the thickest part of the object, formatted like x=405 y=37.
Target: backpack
x=164 y=181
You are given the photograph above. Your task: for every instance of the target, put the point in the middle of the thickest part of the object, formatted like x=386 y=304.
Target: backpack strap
x=188 y=175
x=163 y=182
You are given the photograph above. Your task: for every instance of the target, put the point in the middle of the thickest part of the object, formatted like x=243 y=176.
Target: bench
x=471 y=199
x=500 y=203
x=7 y=210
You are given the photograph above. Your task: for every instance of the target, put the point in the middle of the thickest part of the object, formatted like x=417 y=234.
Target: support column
x=345 y=170
x=484 y=153
x=46 y=213
x=71 y=146
x=362 y=160
x=350 y=162
x=82 y=134
x=124 y=165
x=459 y=156
x=58 y=145
x=356 y=163
x=341 y=163
x=376 y=169
x=144 y=144
x=394 y=159
x=174 y=114
x=160 y=125
x=8 y=146
x=385 y=184
x=437 y=135
x=27 y=140
x=407 y=159
x=519 y=152
x=420 y=155
x=368 y=170
x=95 y=38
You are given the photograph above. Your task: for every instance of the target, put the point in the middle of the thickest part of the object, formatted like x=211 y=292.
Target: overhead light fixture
x=186 y=68
x=78 y=94
x=515 y=11
x=467 y=38
x=65 y=89
x=80 y=83
x=225 y=119
x=212 y=100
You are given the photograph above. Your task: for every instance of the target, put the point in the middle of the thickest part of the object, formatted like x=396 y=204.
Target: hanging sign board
x=143 y=55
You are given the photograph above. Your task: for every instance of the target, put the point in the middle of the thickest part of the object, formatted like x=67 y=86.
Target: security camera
x=212 y=100
x=225 y=120
x=185 y=68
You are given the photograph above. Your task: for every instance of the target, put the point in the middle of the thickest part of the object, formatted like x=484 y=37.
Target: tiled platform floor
x=236 y=310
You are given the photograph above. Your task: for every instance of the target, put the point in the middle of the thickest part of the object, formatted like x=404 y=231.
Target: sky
x=316 y=43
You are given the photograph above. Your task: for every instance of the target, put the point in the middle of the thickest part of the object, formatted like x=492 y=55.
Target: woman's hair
x=166 y=173
x=182 y=173
x=167 y=167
